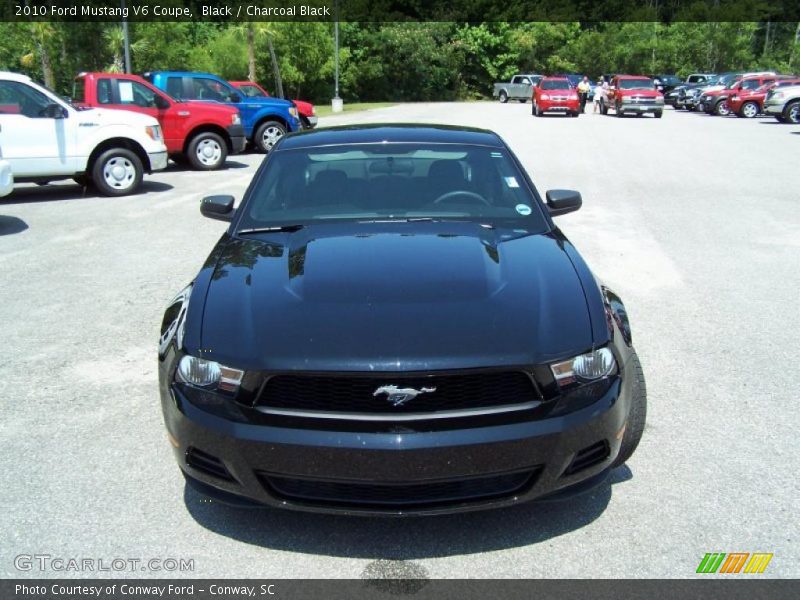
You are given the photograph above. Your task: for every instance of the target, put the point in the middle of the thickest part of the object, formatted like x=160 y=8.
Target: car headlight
x=584 y=367
x=545 y=97
x=293 y=111
x=154 y=132
x=204 y=373
x=236 y=119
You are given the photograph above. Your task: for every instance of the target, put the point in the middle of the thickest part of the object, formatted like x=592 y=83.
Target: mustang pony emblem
x=399 y=396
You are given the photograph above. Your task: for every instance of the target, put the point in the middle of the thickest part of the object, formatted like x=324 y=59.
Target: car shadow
x=174 y=167
x=10 y=225
x=71 y=191
x=403 y=538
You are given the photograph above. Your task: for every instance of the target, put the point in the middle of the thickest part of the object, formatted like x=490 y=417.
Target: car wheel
x=791 y=114
x=780 y=119
x=637 y=415
x=618 y=110
x=522 y=100
x=207 y=151
x=117 y=172
x=268 y=134
x=748 y=110
x=503 y=97
x=575 y=114
x=603 y=108
x=658 y=114
x=722 y=109
x=700 y=107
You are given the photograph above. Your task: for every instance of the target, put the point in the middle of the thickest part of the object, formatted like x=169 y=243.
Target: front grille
x=588 y=457
x=398 y=494
x=359 y=394
x=208 y=464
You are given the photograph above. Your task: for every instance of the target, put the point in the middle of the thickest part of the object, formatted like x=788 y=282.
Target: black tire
x=503 y=97
x=618 y=110
x=748 y=110
x=791 y=113
x=721 y=108
x=780 y=119
x=658 y=114
x=117 y=172
x=207 y=151
x=267 y=135
x=603 y=108
x=637 y=415
x=575 y=114
x=522 y=100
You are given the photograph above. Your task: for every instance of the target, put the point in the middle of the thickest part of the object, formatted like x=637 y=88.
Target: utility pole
x=127 y=41
x=336 y=104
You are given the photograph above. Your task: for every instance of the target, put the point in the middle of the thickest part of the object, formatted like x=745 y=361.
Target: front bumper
x=238 y=138
x=401 y=472
x=158 y=160
x=310 y=121
x=773 y=109
x=641 y=108
x=560 y=106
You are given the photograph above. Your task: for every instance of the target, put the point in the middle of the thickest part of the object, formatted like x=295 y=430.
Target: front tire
x=637 y=415
x=503 y=97
x=522 y=100
x=603 y=108
x=207 y=151
x=658 y=114
x=268 y=134
x=618 y=111
x=117 y=172
x=748 y=110
x=722 y=109
x=791 y=114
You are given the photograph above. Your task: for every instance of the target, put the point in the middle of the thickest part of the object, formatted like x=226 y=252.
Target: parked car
x=46 y=139
x=665 y=83
x=392 y=324
x=715 y=101
x=633 y=93
x=6 y=177
x=265 y=120
x=250 y=89
x=555 y=94
x=200 y=132
x=685 y=95
x=748 y=103
x=701 y=78
x=784 y=104
x=519 y=88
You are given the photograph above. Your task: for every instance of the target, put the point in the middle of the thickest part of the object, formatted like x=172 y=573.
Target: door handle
x=183 y=113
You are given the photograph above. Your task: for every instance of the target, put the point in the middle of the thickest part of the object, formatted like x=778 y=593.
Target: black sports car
x=392 y=324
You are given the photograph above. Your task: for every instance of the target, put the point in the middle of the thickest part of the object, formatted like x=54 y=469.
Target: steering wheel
x=465 y=193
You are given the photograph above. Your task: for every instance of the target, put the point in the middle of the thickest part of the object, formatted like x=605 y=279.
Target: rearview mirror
x=54 y=111
x=235 y=97
x=161 y=102
x=217 y=207
x=561 y=202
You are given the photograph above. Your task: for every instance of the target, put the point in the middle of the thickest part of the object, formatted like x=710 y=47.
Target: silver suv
x=784 y=104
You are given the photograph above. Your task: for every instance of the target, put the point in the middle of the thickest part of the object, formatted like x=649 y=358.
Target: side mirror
x=561 y=202
x=235 y=97
x=54 y=111
x=161 y=102
x=217 y=207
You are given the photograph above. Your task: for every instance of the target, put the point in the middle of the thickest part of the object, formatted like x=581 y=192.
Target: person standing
x=583 y=91
x=599 y=94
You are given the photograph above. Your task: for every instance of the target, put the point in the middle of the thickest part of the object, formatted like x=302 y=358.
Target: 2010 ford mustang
x=392 y=324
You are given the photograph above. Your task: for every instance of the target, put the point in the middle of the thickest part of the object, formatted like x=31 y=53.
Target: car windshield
x=555 y=84
x=636 y=84
x=396 y=181
x=251 y=91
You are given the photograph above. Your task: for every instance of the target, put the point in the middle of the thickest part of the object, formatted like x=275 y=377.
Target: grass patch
x=325 y=110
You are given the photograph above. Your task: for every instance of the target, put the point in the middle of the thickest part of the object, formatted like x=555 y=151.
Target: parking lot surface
x=693 y=220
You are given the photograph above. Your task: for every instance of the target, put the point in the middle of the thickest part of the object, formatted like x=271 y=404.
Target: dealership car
x=392 y=323
x=784 y=104
x=555 y=94
x=748 y=103
x=306 y=110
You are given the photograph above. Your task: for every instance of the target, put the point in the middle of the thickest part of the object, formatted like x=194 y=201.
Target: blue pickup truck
x=265 y=120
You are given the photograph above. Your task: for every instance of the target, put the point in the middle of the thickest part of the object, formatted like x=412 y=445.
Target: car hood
x=415 y=297
x=267 y=101
x=640 y=92
x=111 y=116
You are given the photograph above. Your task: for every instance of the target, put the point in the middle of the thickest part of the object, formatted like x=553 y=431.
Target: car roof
x=14 y=76
x=391 y=133
x=632 y=77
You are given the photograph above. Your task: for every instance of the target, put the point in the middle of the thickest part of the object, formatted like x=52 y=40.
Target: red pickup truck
x=200 y=132
x=308 y=116
x=633 y=93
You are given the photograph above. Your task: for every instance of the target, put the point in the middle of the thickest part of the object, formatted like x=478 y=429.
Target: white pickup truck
x=519 y=88
x=45 y=139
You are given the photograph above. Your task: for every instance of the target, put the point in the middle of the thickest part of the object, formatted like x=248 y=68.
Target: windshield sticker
x=125 y=91
x=511 y=182
x=523 y=209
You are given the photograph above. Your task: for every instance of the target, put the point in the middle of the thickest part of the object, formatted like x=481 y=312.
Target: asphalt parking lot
x=693 y=220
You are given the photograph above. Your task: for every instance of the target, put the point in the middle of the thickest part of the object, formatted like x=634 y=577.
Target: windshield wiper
x=273 y=229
